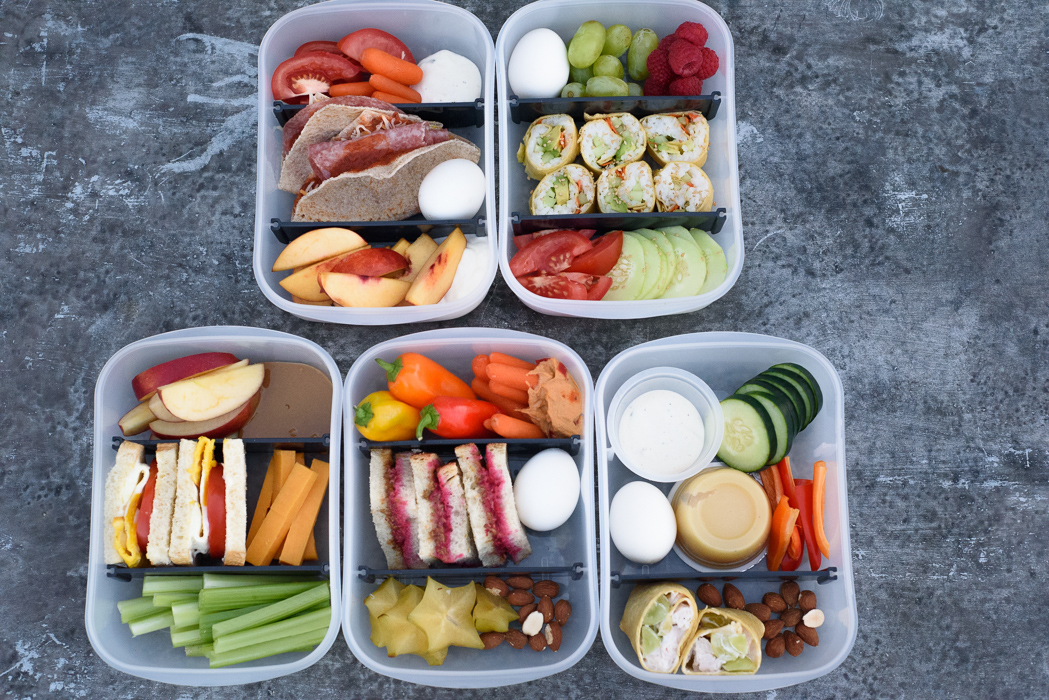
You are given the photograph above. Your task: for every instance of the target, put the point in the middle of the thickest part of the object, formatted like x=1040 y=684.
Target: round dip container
x=723 y=518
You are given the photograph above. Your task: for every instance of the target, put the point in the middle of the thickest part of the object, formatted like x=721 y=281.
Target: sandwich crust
x=128 y=455
x=186 y=500
x=163 y=506
x=234 y=473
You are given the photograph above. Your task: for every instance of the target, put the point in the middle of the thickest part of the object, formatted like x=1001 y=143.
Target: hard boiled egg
x=454 y=189
x=547 y=490
x=642 y=523
x=538 y=65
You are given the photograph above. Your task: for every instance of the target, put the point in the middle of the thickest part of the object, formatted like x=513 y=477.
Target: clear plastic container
x=724 y=361
x=572 y=542
x=662 y=16
x=151 y=656
x=425 y=27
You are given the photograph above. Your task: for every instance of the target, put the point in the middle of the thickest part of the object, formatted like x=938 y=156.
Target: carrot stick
x=507 y=406
x=378 y=61
x=362 y=89
x=819 y=489
x=769 y=485
x=503 y=359
x=383 y=84
x=511 y=428
x=515 y=377
x=777 y=485
x=392 y=99
x=794 y=548
x=515 y=395
x=478 y=365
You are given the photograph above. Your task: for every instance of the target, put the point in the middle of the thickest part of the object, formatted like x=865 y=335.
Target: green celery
x=213 y=599
x=199 y=650
x=289 y=627
x=240 y=580
x=208 y=620
x=151 y=585
x=166 y=600
x=304 y=641
x=187 y=614
x=186 y=636
x=157 y=621
x=135 y=608
x=274 y=612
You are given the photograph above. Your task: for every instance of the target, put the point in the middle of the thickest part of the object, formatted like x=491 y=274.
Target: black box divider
x=822 y=576
x=452 y=115
x=514 y=447
x=123 y=573
x=575 y=571
x=308 y=445
x=710 y=221
x=380 y=231
x=530 y=109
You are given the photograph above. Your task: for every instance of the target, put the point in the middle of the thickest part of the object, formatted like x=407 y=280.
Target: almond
x=546 y=588
x=790 y=590
x=520 y=582
x=733 y=598
x=497 y=586
x=772 y=628
x=518 y=597
x=562 y=611
x=759 y=610
x=807 y=601
x=525 y=611
x=516 y=638
x=546 y=606
x=553 y=636
x=532 y=624
x=775 y=602
x=813 y=618
x=793 y=643
x=807 y=634
x=708 y=595
x=775 y=647
x=492 y=639
x=537 y=642
x=790 y=617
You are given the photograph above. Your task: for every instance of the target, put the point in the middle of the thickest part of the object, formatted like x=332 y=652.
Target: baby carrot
x=512 y=393
x=505 y=405
x=392 y=99
x=383 y=84
x=478 y=365
x=515 y=377
x=507 y=427
x=502 y=359
x=362 y=89
x=378 y=61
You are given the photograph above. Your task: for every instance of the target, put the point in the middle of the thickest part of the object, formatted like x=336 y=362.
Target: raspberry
x=654 y=88
x=685 y=58
x=686 y=86
x=659 y=67
x=665 y=42
x=693 y=32
x=709 y=65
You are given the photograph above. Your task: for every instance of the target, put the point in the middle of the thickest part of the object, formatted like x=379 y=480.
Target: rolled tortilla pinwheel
x=611 y=140
x=626 y=189
x=659 y=619
x=551 y=142
x=567 y=190
x=677 y=137
x=727 y=642
x=683 y=187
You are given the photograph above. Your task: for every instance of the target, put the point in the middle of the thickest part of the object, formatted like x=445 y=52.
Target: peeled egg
x=538 y=65
x=641 y=522
x=454 y=189
x=547 y=490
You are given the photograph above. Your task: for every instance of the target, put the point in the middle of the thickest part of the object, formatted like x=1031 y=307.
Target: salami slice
x=331 y=158
x=294 y=126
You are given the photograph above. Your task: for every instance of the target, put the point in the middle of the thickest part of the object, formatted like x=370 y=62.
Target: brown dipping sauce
x=296 y=402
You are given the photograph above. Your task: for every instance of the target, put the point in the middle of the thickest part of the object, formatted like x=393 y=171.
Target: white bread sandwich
x=497 y=530
x=444 y=526
x=138 y=506
x=391 y=491
x=210 y=515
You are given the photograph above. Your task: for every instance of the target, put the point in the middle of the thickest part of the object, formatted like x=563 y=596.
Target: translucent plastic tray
x=425 y=27
x=725 y=361
x=152 y=656
x=571 y=543
x=663 y=16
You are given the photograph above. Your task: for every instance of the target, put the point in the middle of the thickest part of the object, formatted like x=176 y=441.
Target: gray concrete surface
x=894 y=192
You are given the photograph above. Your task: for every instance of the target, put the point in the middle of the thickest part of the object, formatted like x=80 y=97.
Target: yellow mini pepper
x=383 y=418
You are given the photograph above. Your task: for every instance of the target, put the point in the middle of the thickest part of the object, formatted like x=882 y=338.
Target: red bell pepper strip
x=819 y=494
x=794 y=549
x=417 y=380
x=803 y=491
x=454 y=417
x=787 y=480
x=789 y=564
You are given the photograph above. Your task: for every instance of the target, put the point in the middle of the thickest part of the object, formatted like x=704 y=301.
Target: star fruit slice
x=492 y=613
x=445 y=614
x=380 y=601
x=400 y=635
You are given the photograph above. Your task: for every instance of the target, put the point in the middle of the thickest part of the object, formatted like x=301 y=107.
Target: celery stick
x=307 y=640
x=152 y=585
x=157 y=621
x=290 y=627
x=199 y=650
x=213 y=599
x=238 y=580
x=166 y=600
x=186 y=636
x=274 y=612
x=135 y=608
x=187 y=614
x=208 y=620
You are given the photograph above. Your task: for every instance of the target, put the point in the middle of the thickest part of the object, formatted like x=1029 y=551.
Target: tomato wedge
x=598 y=290
x=325 y=46
x=600 y=259
x=311 y=73
x=353 y=45
x=554 y=286
x=551 y=253
x=216 y=512
x=145 y=508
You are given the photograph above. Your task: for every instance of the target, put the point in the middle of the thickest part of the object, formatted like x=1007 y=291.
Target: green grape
x=606 y=86
x=573 y=90
x=617 y=40
x=644 y=42
x=608 y=65
x=586 y=45
x=635 y=90
x=580 y=75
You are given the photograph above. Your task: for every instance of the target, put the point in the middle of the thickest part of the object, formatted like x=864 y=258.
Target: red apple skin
x=224 y=425
x=369 y=262
x=146 y=383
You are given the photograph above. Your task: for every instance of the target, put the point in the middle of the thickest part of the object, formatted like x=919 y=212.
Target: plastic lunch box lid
x=469 y=338
x=363 y=13
x=726 y=115
x=192 y=339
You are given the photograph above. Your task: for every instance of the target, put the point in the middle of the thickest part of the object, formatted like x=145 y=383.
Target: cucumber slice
x=807 y=376
x=782 y=420
x=714 y=257
x=783 y=376
x=760 y=383
x=783 y=404
x=690 y=270
x=653 y=264
x=628 y=275
x=666 y=255
x=750 y=436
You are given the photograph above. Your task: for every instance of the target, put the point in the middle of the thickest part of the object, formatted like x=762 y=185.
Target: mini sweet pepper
x=383 y=418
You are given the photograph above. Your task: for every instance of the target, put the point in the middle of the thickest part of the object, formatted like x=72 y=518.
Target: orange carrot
x=769 y=485
x=515 y=395
x=777 y=485
x=503 y=359
x=794 y=548
x=383 y=84
x=507 y=406
x=819 y=492
x=392 y=99
x=514 y=377
x=378 y=61
x=478 y=366
x=362 y=89
x=507 y=427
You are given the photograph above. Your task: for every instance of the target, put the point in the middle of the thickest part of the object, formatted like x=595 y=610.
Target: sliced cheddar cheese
x=302 y=527
x=278 y=520
x=265 y=498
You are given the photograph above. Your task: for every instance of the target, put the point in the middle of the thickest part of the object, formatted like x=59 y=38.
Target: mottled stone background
x=893 y=176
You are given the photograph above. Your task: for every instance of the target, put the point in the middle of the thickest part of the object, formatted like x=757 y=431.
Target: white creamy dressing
x=199 y=519
x=472 y=269
x=663 y=659
x=661 y=432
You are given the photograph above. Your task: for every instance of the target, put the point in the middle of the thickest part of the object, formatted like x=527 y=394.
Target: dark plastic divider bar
x=453 y=115
x=312 y=444
x=822 y=576
x=368 y=575
x=570 y=445
x=123 y=573
x=711 y=221
x=379 y=231
x=530 y=109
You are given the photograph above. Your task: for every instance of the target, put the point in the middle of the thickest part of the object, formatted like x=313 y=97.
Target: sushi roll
x=677 y=137
x=626 y=189
x=683 y=187
x=568 y=190
x=551 y=142
x=611 y=140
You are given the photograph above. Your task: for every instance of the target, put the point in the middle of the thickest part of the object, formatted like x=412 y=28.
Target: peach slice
x=438 y=272
x=370 y=262
x=303 y=283
x=212 y=395
x=400 y=246
x=145 y=383
x=363 y=292
x=418 y=253
x=136 y=420
x=300 y=300
x=317 y=245
x=219 y=426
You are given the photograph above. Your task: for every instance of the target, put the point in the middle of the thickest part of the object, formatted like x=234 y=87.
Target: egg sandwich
x=138 y=506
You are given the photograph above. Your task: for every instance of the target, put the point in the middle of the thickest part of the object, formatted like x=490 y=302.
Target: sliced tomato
x=551 y=253
x=311 y=73
x=598 y=290
x=353 y=45
x=145 y=508
x=216 y=512
x=554 y=286
x=325 y=46
x=523 y=240
x=600 y=259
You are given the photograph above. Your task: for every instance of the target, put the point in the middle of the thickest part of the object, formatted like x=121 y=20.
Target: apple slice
x=145 y=383
x=370 y=262
x=219 y=426
x=418 y=253
x=212 y=395
x=438 y=272
x=136 y=420
x=160 y=412
x=317 y=245
x=363 y=292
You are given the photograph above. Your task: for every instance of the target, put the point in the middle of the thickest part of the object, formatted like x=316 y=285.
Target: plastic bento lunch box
x=718 y=104
x=152 y=656
x=725 y=361
x=425 y=27
x=566 y=554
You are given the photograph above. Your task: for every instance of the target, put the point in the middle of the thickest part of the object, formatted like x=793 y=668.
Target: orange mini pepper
x=417 y=380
